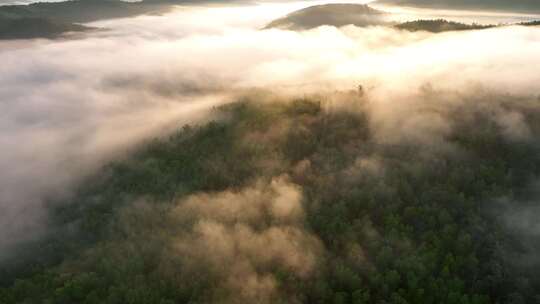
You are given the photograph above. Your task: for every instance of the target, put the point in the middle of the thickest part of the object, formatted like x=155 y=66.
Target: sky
x=69 y=106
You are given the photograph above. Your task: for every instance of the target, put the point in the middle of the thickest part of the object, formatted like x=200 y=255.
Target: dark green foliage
x=49 y=20
x=24 y=28
x=530 y=23
x=525 y=6
x=407 y=225
x=339 y=15
x=79 y=11
x=439 y=25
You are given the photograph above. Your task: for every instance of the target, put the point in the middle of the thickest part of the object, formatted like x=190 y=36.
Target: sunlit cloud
x=69 y=106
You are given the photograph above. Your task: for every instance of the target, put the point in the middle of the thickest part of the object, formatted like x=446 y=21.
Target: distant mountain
x=530 y=6
x=50 y=20
x=442 y=25
x=439 y=26
x=29 y=27
x=330 y=14
x=363 y=15
x=80 y=11
x=531 y=23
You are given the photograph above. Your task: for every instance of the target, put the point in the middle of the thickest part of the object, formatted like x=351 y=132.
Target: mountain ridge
x=52 y=19
x=522 y=6
x=363 y=15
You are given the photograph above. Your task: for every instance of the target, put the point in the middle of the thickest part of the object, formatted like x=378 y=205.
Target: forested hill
x=330 y=14
x=80 y=11
x=359 y=15
x=50 y=20
x=524 y=6
x=300 y=201
x=531 y=23
x=439 y=25
x=28 y=27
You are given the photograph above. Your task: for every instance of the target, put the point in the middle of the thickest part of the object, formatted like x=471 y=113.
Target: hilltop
x=363 y=15
x=330 y=14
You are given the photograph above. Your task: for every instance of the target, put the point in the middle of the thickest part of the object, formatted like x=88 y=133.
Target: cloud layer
x=68 y=106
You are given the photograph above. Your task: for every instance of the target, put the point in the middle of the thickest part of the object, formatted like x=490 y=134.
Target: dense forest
x=301 y=201
x=531 y=23
x=25 y=28
x=52 y=19
x=80 y=11
x=439 y=25
x=526 y=6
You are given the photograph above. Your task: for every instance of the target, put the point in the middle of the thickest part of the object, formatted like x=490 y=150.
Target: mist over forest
x=272 y=152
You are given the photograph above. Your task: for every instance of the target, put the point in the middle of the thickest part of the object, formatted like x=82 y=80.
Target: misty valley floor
x=298 y=200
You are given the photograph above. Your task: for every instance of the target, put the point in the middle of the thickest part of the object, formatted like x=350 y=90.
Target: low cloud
x=69 y=106
x=242 y=238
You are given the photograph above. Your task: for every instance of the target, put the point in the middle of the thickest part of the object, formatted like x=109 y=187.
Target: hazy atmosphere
x=270 y=152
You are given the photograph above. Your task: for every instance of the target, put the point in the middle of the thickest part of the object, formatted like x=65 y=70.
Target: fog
x=240 y=236
x=69 y=106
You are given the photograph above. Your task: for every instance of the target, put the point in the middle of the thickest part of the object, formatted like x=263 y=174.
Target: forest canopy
x=298 y=200
x=526 y=6
x=438 y=26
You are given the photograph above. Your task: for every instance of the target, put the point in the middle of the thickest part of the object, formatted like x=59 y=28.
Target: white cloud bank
x=67 y=106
